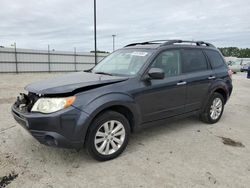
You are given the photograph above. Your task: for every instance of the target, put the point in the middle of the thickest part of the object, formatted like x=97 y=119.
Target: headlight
x=49 y=105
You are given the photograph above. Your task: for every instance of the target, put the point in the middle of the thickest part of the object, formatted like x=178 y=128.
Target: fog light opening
x=51 y=141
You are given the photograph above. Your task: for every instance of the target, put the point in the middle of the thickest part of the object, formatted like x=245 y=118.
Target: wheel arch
x=122 y=109
x=222 y=92
x=120 y=103
x=219 y=87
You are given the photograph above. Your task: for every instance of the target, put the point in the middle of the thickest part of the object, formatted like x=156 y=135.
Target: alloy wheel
x=109 y=137
x=216 y=108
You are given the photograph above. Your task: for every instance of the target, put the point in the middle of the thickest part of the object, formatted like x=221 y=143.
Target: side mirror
x=156 y=73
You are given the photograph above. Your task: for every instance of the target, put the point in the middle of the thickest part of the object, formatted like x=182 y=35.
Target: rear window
x=215 y=58
x=193 y=60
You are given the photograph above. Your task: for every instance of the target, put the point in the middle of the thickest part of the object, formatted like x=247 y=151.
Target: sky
x=65 y=24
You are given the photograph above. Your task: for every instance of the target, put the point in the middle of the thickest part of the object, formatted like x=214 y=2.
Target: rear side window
x=193 y=60
x=215 y=58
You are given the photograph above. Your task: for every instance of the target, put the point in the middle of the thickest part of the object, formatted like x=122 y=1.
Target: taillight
x=230 y=73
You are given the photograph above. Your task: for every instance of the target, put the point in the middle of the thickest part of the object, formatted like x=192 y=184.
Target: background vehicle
x=244 y=66
x=234 y=66
x=139 y=85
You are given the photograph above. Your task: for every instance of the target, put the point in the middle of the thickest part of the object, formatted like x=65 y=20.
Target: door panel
x=163 y=98
x=199 y=77
x=198 y=84
x=160 y=99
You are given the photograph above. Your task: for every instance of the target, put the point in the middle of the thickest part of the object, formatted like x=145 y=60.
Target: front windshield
x=123 y=62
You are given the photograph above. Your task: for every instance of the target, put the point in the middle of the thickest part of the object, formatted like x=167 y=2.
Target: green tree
x=235 y=52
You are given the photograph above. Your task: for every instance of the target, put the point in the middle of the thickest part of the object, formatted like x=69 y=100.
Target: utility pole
x=113 y=42
x=95 y=32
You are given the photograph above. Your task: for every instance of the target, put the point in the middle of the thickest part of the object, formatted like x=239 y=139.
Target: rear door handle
x=211 y=77
x=181 y=83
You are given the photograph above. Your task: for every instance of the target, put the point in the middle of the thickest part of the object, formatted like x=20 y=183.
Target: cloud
x=67 y=24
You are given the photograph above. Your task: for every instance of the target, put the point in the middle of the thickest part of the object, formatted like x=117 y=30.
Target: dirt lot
x=185 y=153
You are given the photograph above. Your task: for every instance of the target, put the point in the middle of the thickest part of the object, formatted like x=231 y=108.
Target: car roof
x=170 y=44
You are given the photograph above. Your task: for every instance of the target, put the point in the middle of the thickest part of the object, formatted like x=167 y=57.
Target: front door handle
x=181 y=83
x=211 y=77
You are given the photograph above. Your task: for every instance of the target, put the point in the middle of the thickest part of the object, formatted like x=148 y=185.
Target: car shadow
x=73 y=158
x=153 y=132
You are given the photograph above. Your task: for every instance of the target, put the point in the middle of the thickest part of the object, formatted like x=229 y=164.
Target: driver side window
x=169 y=62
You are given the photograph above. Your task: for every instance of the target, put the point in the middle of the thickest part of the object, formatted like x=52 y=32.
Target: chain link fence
x=13 y=60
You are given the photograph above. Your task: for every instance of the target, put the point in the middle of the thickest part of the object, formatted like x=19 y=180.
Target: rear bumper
x=66 y=128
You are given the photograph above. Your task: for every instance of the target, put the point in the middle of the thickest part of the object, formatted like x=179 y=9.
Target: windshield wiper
x=104 y=73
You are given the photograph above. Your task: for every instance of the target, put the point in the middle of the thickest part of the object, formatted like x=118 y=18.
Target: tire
x=206 y=116
x=102 y=137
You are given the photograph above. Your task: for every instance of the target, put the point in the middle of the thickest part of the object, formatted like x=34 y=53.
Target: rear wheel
x=214 y=109
x=108 y=136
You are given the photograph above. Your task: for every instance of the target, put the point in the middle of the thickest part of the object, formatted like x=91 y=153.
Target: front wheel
x=108 y=136
x=214 y=109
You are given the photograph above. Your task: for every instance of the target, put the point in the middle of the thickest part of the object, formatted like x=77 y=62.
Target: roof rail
x=198 y=43
x=140 y=43
x=170 y=42
x=147 y=42
x=206 y=43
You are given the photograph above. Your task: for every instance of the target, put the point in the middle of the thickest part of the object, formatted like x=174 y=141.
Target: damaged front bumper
x=66 y=128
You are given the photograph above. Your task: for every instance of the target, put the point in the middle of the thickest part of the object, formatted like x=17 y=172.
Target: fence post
x=49 y=58
x=75 y=59
x=16 y=58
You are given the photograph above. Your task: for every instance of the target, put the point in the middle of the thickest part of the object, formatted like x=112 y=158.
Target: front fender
x=105 y=101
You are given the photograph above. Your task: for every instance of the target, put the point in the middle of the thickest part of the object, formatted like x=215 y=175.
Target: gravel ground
x=185 y=153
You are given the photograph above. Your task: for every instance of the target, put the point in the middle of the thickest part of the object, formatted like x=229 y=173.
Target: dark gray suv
x=141 y=84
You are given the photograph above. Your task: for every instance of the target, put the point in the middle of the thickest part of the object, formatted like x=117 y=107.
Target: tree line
x=99 y=51
x=235 y=52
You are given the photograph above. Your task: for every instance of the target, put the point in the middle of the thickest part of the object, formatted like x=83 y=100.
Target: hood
x=69 y=83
